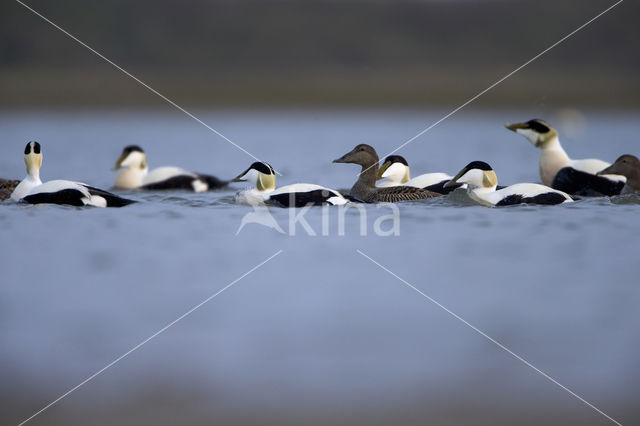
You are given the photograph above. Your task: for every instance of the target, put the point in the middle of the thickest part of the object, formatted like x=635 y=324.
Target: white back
x=428 y=179
x=163 y=173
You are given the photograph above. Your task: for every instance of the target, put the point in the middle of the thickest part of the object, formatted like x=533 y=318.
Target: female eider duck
x=559 y=171
x=6 y=188
x=136 y=175
x=33 y=191
x=395 y=170
x=365 y=189
x=263 y=178
x=628 y=166
x=482 y=182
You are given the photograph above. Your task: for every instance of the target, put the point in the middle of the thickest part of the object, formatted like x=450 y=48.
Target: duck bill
x=240 y=177
x=515 y=126
x=344 y=158
x=383 y=169
x=611 y=170
x=454 y=181
x=119 y=162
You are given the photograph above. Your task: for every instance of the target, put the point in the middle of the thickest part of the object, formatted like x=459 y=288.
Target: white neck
x=143 y=172
x=554 y=145
x=27 y=184
x=552 y=158
x=34 y=175
x=131 y=178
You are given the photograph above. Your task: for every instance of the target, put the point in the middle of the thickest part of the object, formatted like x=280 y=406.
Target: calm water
x=319 y=334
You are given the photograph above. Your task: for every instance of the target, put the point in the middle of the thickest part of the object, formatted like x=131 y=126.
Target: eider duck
x=33 y=191
x=628 y=166
x=365 y=189
x=482 y=182
x=559 y=171
x=136 y=175
x=262 y=176
x=6 y=188
x=395 y=170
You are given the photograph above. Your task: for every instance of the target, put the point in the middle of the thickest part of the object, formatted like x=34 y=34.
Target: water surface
x=319 y=334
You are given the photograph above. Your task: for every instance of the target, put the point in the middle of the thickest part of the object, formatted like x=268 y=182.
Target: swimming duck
x=559 y=171
x=33 y=191
x=396 y=170
x=482 y=182
x=365 y=189
x=628 y=166
x=6 y=188
x=136 y=175
x=262 y=176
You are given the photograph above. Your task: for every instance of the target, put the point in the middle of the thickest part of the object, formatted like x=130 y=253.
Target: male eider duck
x=395 y=170
x=559 y=171
x=6 y=188
x=136 y=175
x=33 y=191
x=263 y=178
x=628 y=166
x=482 y=182
x=365 y=189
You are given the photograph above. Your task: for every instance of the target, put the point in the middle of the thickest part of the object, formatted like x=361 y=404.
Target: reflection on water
x=320 y=334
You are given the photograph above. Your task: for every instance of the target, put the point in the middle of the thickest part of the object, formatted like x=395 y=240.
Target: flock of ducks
x=562 y=178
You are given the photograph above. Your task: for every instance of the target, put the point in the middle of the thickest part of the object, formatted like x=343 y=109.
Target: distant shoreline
x=419 y=88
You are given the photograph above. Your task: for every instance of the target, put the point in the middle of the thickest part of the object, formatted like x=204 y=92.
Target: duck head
x=33 y=158
x=395 y=168
x=537 y=131
x=259 y=174
x=132 y=157
x=478 y=174
x=362 y=154
x=626 y=165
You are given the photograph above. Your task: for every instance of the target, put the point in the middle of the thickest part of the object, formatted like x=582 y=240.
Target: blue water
x=319 y=334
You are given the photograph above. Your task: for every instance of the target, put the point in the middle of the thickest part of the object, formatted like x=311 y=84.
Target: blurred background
x=319 y=52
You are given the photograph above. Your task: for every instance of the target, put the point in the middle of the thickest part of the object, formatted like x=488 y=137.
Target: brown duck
x=628 y=166
x=365 y=187
x=6 y=188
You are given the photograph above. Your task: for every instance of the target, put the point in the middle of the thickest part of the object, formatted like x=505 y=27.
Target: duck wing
x=303 y=194
x=169 y=177
x=549 y=198
x=174 y=182
x=186 y=180
x=317 y=197
x=403 y=193
x=573 y=181
x=112 y=199
x=64 y=192
x=69 y=196
x=212 y=181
